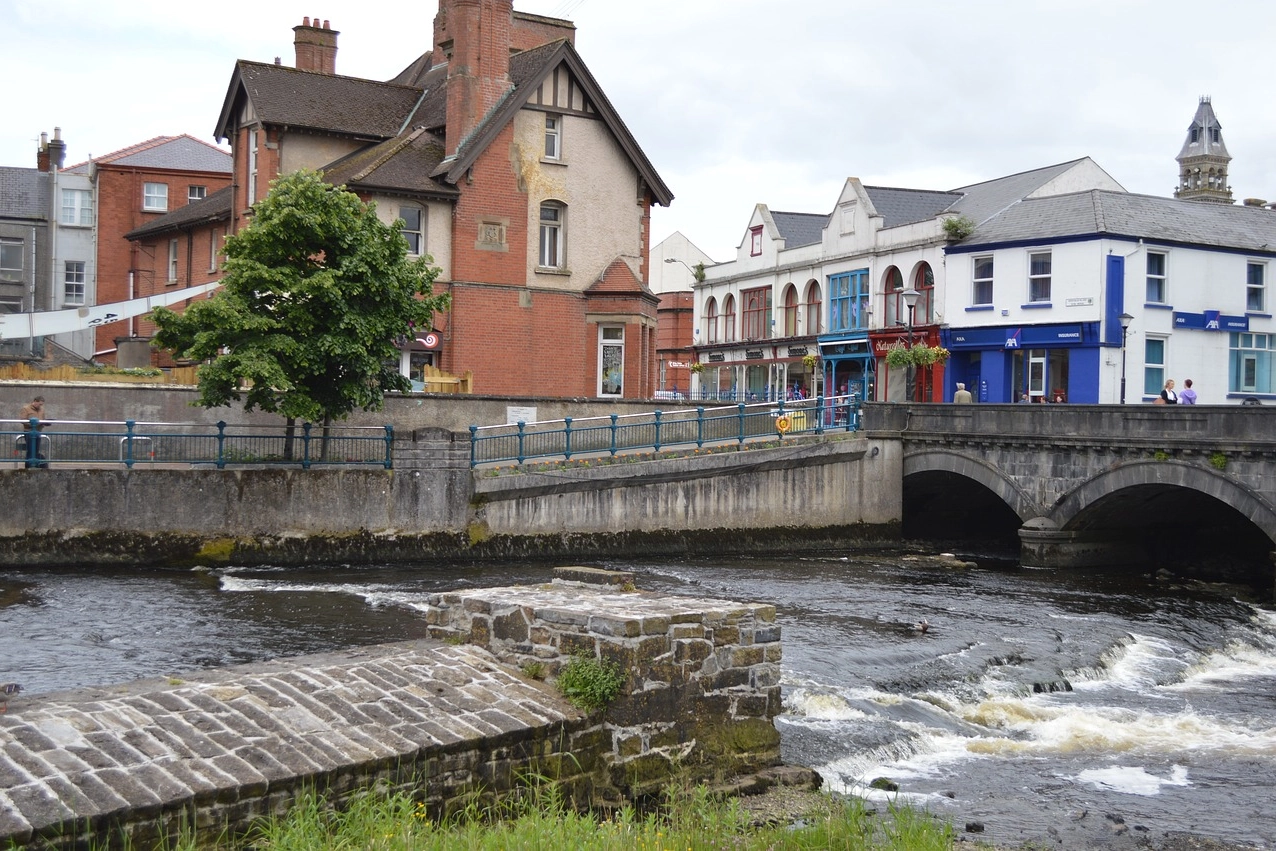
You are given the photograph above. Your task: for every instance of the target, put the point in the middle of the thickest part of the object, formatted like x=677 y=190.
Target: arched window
x=728 y=319
x=711 y=320
x=813 y=325
x=895 y=313
x=924 y=280
x=790 y=311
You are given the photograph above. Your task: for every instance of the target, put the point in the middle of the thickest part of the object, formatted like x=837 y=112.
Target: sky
x=735 y=102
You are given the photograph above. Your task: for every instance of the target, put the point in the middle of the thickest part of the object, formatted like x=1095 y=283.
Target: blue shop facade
x=1025 y=363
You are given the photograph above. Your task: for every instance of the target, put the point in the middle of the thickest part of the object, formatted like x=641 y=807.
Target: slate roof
x=905 y=206
x=181 y=153
x=1204 y=145
x=215 y=207
x=981 y=201
x=24 y=193
x=326 y=102
x=1107 y=213
x=401 y=164
x=800 y=229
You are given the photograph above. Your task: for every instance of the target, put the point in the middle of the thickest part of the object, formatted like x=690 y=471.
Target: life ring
x=782 y=424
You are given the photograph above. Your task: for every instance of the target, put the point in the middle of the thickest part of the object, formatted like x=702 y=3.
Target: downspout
x=33 y=274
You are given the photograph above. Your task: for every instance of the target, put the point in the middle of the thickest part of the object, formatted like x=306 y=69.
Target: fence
x=186 y=375
x=660 y=429
x=78 y=443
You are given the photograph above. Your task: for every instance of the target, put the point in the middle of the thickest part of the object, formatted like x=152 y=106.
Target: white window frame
x=1157 y=279
x=155 y=197
x=1255 y=287
x=1161 y=367
x=552 y=240
x=1038 y=280
x=414 y=235
x=77 y=208
x=611 y=337
x=172 y=261
x=977 y=281
x=553 y=136
x=252 y=167
x=12 y=248
x=74 y=282
x=196 y=193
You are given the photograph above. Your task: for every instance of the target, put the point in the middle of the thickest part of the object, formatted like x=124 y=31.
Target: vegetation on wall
x=958 y=228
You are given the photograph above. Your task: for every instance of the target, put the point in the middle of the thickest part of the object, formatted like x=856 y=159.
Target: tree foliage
x=315 y=292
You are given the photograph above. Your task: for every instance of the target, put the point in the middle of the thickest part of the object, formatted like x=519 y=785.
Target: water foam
x=1133 y=780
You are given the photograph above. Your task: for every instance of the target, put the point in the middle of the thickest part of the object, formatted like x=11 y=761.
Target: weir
x=445 y=722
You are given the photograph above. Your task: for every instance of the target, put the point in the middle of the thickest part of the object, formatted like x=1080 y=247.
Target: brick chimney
x=51 y=155
x=316 y=46
x=474 y=36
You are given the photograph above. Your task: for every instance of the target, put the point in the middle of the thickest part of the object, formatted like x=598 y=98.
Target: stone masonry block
x=658 y=625
x=615 y=627
x=745 y=657
x=687 y=630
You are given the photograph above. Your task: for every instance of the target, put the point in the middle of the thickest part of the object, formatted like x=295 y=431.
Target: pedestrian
x=1168 y=396
x=33 y=410
x=1188 y=396
x=1023 y=398
x=962 y=396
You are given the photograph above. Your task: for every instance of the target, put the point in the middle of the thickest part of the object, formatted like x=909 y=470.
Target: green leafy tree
x=315 y=291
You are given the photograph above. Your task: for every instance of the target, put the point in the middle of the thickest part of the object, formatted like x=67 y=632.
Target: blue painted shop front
x=1044 y=363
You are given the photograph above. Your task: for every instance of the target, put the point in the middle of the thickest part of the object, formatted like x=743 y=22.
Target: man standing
x=34 y=451
x=962 y=396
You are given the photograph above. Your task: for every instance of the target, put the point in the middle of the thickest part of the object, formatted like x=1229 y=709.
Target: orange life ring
x=782 y=424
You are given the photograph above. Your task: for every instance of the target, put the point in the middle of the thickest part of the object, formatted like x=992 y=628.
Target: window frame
x=979 y=281
x=1244 y=351
x=1255 y=292
x=755 y=313
x=924 y=283
x=1157 y=279
x=253 y=141
x=1039 y=283
x=814 y=302
x=790 y=311
x=552 y=243
x=553 y=136
x=1158 y=368
x=416 y=247
x=755 y=241
x=604 y=343
x=154 y=197
x=172 y=261
x=728 y=318
x=711 y=320
x=74 y=278
x=893 y=310
x=196 y=192
x=848 y=299
x=16 y=248
x=80 y=210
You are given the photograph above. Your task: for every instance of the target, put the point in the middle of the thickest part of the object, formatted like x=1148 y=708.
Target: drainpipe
x=34 y=255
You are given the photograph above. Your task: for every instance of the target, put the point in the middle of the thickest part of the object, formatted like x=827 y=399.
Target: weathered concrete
x=212 y=751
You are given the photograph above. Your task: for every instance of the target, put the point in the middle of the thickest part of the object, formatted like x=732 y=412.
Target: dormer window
x=755 y=241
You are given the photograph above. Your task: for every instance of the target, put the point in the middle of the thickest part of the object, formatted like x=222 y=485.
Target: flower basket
x=696 y=368
x=808 y=361
x=919 y=355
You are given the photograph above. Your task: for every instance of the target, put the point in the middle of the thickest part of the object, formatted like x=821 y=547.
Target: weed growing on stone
x=589 y=683
x=1218 y=461
x=534 y=670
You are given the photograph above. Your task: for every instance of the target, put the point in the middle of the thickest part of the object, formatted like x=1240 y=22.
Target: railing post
x=819 y=414
x=700 y=427
x=567 y=437
x=521 y=435
x=128 y=443
x=741 y=406
x=33 y=443
x=221 y=445
x=613 y=435
x=473 y=447
x=656 y=445
x=305 y=446
x=389 y=446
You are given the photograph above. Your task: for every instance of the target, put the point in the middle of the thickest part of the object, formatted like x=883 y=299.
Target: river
x=1079 y=709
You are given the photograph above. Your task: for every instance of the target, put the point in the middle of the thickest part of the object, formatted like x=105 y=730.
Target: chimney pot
x=326 y=25
x=305 y=21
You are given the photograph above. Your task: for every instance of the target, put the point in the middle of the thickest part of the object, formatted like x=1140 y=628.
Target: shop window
x=611 y=360
x=1250 y=363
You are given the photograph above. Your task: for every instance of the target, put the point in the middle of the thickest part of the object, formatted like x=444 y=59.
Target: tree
x=315 y=292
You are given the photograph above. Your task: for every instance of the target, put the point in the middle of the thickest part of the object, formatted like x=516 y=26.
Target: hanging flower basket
x=899 y=354
x=696 y=368
x=808 y=361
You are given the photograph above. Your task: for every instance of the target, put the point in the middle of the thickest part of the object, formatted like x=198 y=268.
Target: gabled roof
x=980 y=201
x=180 y=153
x=402 y=164
x=1107 y=213
x=24 y=193
x=527 y=71
x=322 y=102
x=214 y=208
x=905 y=206
x=798 y=229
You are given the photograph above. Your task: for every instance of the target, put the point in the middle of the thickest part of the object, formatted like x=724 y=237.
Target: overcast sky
x=736 y=102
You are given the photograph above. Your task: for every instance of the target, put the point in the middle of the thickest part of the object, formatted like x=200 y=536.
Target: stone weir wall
x=208 y=753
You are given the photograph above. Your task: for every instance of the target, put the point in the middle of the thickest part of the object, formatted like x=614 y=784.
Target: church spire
x=1203 y=159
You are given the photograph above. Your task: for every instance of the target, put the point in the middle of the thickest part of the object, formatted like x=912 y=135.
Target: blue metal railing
x=36 y=444
x=609 y=435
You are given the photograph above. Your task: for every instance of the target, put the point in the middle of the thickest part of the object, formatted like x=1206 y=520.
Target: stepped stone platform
x=212 y=751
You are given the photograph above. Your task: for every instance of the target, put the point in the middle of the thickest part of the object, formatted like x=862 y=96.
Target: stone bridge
x=1092 y=484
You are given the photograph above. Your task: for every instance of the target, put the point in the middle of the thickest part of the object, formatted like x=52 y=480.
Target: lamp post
x=1125 y=319
x=910 y=299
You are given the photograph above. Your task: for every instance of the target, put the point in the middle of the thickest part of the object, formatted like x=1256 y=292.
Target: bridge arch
x=976 y=470
x=1080 y=508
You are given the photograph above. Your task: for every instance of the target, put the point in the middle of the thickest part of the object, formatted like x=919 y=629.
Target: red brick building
x=135 y=186
x=508 y=166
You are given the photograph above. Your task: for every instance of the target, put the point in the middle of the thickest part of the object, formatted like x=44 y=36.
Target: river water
x=1079 y=709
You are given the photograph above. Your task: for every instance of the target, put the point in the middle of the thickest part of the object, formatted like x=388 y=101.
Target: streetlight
x=1125 y=319
x=910 y=299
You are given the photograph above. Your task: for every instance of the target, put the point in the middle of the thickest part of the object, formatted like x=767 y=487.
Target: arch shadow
x=980 y=472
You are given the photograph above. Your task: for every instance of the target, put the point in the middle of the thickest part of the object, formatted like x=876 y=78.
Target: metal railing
x=606 y=436
x=36 y=444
